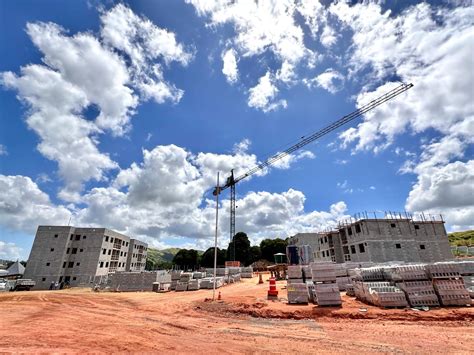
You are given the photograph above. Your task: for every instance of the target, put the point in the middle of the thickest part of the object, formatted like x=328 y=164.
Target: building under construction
x=368 y=238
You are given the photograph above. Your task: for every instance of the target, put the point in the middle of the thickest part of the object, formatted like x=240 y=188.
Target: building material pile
x=388 y=296
x=181 y=286
x=194 y=284
x=324 y=277
x=137 y=281
x=419 y=293
x=247 y=272
x=327 y=294
x=296 y=288
x=208 y=282
x=448 y=284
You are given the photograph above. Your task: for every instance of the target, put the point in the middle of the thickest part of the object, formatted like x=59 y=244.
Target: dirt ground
x=78 y=321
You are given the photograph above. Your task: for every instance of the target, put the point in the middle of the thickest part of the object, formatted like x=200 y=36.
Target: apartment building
x=76 y=255
x=392 y=238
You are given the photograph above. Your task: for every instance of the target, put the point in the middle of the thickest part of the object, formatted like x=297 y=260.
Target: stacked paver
x=247 y=272
x=296 y=288
x=137 y=281
x=448 y=284
x=326 y=291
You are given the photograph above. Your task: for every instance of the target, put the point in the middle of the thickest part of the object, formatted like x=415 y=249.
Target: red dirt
x=78 y=320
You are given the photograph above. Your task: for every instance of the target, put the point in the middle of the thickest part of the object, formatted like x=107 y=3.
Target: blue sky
x=120 y=114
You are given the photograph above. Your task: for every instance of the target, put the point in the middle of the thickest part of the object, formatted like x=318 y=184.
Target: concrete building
x=77 y=255
x=392 y=238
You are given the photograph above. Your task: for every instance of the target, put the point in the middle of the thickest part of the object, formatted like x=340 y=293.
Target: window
x=74 y=251
x=357 y=227
x=84 y=237
x=55 y=236
x=361 y=248
x=47 y=264
x=123 y=242
x=398 y=246
x=110 y=251
x=43 y=279
x=349 y=231
x=107 y=264
x=104 y=251
x=111 y=240
x=77 y=264
x=392 y=225
x=67 y=251
x=74 y=278
x=127 y=244
x=422 y=246
x=353 y=249
x=72 y=236
x=64 y=265
x=71 y=264
x=417 y=226
x=106 y=238
x=81 y=250
x=121 y=253
x=125 y=254
x=101 y=264
x=52 y=249
x=60 y=278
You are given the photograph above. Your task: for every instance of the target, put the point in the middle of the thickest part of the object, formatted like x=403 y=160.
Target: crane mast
x=232 y=181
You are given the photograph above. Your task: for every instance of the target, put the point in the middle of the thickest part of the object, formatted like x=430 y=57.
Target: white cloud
x=331 y=80
x=263 y=95
x=23 y=206
x=285 y=162
x=229 y=68
x=3 y=150
x=10 y=251
x=81 y=71
x=242 y=146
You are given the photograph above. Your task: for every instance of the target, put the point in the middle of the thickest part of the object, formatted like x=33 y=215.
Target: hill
x=461 y=238
x=162 y=259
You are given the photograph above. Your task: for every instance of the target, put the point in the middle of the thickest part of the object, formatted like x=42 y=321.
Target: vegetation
x=160 y=259
x=465 y=238
x=207 y=259
x=270 y=247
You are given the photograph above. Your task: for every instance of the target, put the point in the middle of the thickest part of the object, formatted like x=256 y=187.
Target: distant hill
x=461 y=238
x=162 y=259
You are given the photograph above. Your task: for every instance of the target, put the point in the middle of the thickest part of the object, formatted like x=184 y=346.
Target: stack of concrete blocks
x=419 y=293
x=362 y=289
x=234 y=274
x=137 y=281
x=387 y=296
x=247 y=272
x=342 y=278
x=181 y=286
x=466 y=268
x=208 y=282
x=194 y=284
x=296 y=288
x=449 y=285
x=326 y=290
x=197 y=275
x=310 y=287
x=175 y=276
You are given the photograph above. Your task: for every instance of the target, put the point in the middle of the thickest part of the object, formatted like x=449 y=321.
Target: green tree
x=269 y=247
x=254 y=254
x=207 y=259
x=239 y=248
x=187 y=259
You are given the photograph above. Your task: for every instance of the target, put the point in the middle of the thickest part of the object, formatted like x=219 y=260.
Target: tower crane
x=231 y=181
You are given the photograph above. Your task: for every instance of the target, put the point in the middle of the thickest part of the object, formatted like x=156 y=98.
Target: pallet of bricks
x=371 y=287
x=466 y=268
x=296 y=287
x=247 y=272
x=449 y=284
x=414 y=281
x=325 y=289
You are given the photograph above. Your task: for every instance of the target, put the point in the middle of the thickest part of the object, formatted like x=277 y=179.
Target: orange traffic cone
x=260 y=279
x=272 y=291
x=219 y=296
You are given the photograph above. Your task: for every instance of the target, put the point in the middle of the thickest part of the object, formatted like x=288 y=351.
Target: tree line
x=238 y=249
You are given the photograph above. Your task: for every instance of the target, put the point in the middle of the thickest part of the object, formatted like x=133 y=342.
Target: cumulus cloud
x=23 y=206
x=229 y=68
x=10 y=251
x=331 y=80
x=3 y=150
x=84 y=70
x=263 y=95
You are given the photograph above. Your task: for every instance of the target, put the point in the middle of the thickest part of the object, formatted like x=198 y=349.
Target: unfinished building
x=395 y=237
x=76 y=255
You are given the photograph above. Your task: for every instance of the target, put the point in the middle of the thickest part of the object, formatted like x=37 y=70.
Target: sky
x=120 y=114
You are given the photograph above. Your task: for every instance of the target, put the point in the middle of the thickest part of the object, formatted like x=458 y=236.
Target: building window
x=353 y=249
x=74 y=278
x=417 y=226
x=123 y=242
x=107 y=264
x=52 y=249
x=422 y=246
x=111 y=240
x=55 y=236
x=349 y=231
x=106 y=238
x=127 y=244
x=67 y=251
x=71 y=264
x=74 y=251
x=104 y=251
x=84 y=237
x=47 y=264
x=43 y=279
x=392 y=225
x=81 y=250
x=77 y=264
x=125 y=254
x=121 y=253
x=78 y=237
x=357 y=227
x=361 y=248
x=64 y=265
x=72 y=236
x=110 y=251
x=101 y=264
x=398 y=246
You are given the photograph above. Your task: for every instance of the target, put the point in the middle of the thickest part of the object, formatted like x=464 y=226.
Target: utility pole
x=215 y=240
